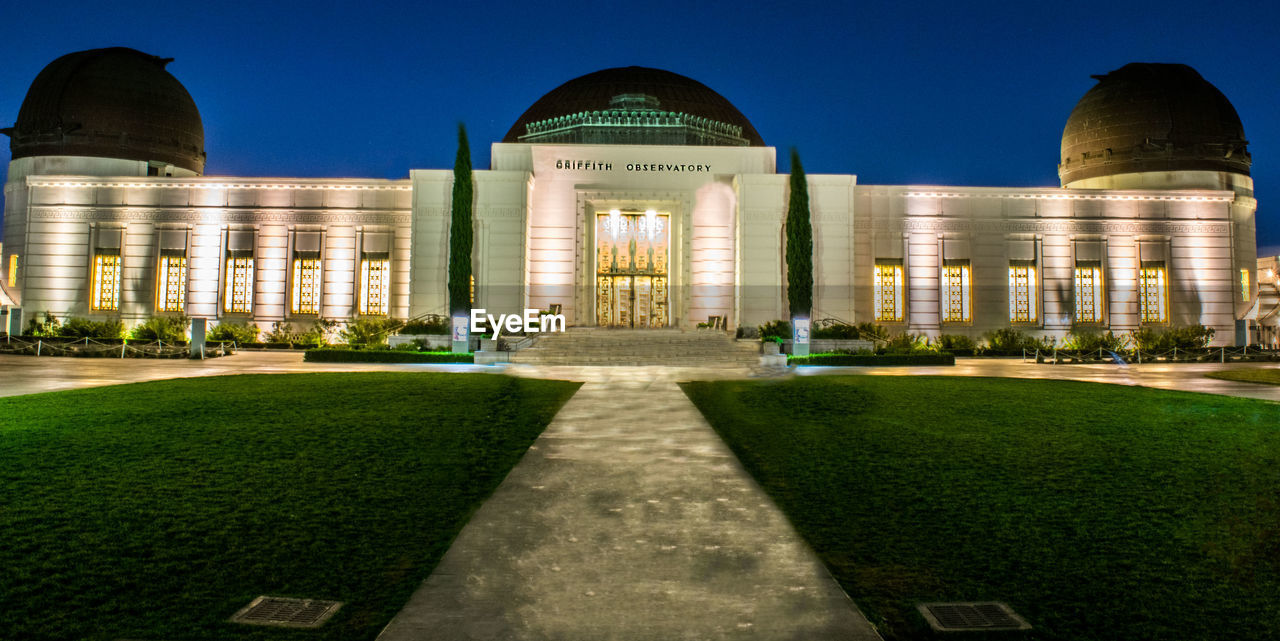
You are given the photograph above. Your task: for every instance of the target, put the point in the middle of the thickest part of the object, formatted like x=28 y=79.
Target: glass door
x=631 y=269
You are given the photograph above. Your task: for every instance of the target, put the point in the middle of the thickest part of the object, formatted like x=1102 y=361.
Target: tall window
x=238 y=298
x=1023 y=300
x=13 y=270
x=172 y=280
x=888 y=285
x=106 y=281
x=375 y=284
x=1152 y=293
x=955 y=291
x=306 y=283
x=1089 y=299
x=1244 y=285
x=237 y=295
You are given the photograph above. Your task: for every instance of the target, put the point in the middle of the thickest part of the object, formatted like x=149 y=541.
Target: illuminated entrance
x=631 y=269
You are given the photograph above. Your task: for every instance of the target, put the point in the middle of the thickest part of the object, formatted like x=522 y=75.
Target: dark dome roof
x=597 y=91
x=1152 y=117
x=109 y=103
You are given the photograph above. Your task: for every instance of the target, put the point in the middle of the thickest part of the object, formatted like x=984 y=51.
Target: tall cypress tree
x=799 y=243
x=460 y=231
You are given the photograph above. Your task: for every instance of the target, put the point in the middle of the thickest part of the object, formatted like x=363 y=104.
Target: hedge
x=384 y=356
x=873 y=359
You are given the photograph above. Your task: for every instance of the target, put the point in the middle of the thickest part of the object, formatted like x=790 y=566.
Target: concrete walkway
x=629 y=519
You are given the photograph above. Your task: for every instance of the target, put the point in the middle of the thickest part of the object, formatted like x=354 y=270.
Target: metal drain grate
x=286 y=613
x=987 y=616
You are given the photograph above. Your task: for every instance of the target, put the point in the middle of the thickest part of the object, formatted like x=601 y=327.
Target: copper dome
x=601 y=91
x=109 y=103
x=1152 y=117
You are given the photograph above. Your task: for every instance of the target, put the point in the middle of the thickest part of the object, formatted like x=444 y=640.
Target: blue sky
x=959 y=93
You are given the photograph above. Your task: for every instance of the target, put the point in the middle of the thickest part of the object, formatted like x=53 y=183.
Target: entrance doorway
x=631 y=269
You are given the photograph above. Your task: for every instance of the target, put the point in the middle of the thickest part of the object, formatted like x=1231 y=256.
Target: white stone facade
x=536 y=240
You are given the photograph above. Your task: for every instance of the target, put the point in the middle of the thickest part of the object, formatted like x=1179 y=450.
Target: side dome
x=1151 y=117
x=636 y=106
x=110 y=103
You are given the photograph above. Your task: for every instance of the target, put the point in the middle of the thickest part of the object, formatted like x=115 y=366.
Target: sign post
x=799 y=337
x=198 y=337
x=461 y=334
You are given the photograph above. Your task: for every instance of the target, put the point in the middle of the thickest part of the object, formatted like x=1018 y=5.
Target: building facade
x=630 y=198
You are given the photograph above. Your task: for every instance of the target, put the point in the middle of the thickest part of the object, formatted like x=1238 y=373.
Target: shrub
x=429 y=324
x=46 y=327
x=233 y=333
x=285 y=332
x=872 y=332
x=368 y=332
x=1149 y=339
x=907 y=344
x=84 y=328
x=1087 y=341
x=748 y=332
x=779 y=330
x=169 y=329
x=831 y=328
x=956 y=342
x=383 y=356
x=1010 y=340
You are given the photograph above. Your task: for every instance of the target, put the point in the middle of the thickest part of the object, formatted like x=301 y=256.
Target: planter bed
x=863 y=360
x=384 y=356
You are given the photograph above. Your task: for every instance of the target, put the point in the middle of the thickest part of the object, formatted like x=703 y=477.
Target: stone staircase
x=638 y=347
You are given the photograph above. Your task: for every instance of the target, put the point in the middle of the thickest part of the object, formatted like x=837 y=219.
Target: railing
x=123 y=348
x=1139 y=356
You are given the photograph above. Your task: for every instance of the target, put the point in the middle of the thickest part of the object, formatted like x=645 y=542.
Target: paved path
x=31 y=374
x=628 y=519
x=1188 y=377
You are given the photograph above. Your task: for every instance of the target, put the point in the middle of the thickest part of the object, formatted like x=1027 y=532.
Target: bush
x=383 y=356
x=907 y=344
x=84 y=328
x=833 y=358
x=1149 y=339
x=955 y=342
x=169 y=329
x=285 y=332
x=779 y=330
x=831 y=328
x=1087 y=341
x=368 y=332
x=429 y=324
x=233 y=333
x=872 y=332
x=1012 y=341
x=748 y=332
x=46 y=327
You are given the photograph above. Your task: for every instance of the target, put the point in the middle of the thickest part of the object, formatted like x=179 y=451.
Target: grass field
x=1098 y=512
x=156 y=510
x=1269 y=376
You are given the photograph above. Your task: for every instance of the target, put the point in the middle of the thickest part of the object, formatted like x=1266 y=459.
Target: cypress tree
x=460 y=231
x=799 y=243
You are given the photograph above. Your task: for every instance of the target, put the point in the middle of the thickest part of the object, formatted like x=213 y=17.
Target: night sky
x=955 y=93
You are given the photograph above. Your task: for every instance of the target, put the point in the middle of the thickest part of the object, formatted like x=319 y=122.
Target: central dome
x=634 y=105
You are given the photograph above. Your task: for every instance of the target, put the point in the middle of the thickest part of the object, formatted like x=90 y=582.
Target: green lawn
x=156 y=510
x=1099 y=512
x=1268 y=376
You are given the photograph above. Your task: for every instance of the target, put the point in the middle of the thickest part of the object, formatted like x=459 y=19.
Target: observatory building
x=631 y=198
